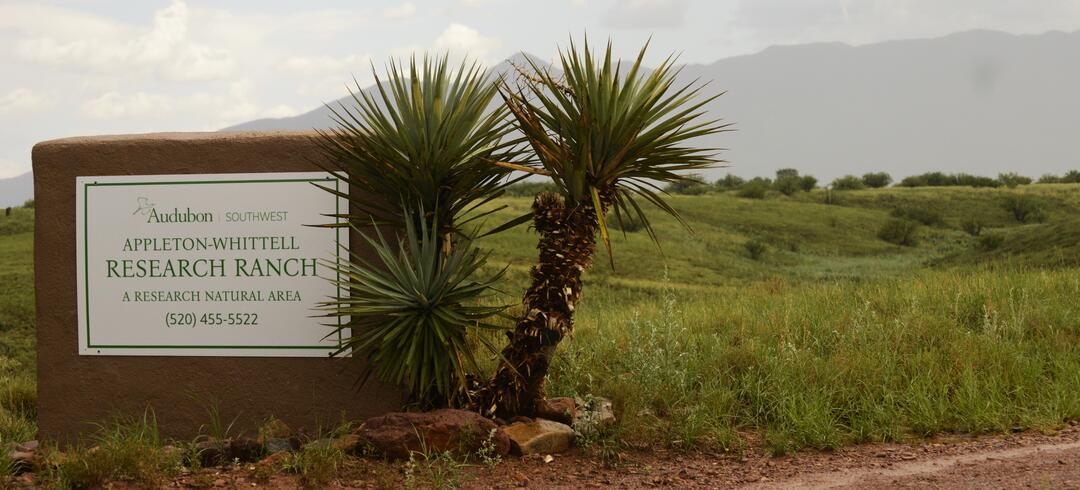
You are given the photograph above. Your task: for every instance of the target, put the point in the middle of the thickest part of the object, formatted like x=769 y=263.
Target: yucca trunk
x=567 y=243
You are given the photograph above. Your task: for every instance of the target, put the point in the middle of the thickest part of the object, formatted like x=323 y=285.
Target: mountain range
x=979 y=102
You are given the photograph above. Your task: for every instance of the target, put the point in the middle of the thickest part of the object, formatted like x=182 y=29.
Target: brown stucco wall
x=74 y=390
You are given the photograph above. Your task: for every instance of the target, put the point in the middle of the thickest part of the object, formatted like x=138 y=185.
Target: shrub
x=807 y=183
x=923 y=214
x=1013 y=179
x=876 y=180
x=991 y=241
x=755 y=189
x=1049 y=179
x=788 y=185
x=1025 y=209
x=847 y=183
x=624 y=222
x=690 y=184
x=755 y=249
x=939 y=179
x=786 y=173
x=29 y=204
x=1071 y=177
x=972 y=226
x=730 y=181
x=899 y=232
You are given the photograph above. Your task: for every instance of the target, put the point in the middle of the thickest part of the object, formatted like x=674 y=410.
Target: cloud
x=325 y=65
x=164 y=48
x=25 y=100
x=400 y=12
x=460 y=40
x=234 y=106
x=280 y=111
x=647 y=14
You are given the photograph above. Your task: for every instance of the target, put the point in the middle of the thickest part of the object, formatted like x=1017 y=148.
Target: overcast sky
x=84 y=67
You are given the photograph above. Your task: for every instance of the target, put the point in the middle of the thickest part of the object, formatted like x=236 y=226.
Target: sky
x=88 y=67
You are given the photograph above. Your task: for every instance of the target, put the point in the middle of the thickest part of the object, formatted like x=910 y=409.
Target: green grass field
x=830 y=336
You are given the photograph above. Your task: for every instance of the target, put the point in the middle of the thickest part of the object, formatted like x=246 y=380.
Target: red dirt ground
x=1022 y=460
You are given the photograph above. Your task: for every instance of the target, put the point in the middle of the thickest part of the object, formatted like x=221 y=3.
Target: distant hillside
x=16 y=190
x=979 y=102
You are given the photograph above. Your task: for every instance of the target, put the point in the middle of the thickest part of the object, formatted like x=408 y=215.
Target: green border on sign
x=86 y=259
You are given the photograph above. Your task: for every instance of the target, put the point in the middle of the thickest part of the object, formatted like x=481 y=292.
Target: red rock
x=561 y=409
x=398 y=434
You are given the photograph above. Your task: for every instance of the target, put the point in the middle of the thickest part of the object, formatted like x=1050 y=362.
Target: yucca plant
x=425 y=138
x=417 y=155
x=608 y=139
x=410 y=312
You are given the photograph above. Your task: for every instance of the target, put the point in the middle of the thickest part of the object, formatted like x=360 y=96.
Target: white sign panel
x=206 y=265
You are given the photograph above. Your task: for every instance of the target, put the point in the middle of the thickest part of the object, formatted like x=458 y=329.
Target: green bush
x=1025 y=209
x=756 y=249
x=1071 y=177
x=754 y=189
x=991 y=241
x=876 y=180
x=788 y=185
x=1013 y=179
x=29 y=204
x=693 y=184
x=1049 y=179
x=899 y=232
x=847 y=183
x=923 y=214
x=807 y=182
x=972 y=226
x=939 y=179
x=730 y=181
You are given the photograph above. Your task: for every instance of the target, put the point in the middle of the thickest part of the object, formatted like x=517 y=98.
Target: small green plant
x=488 y=453
x=756 y=249
x=1025 y=209
x=754 y=189
x=126 y=449
x=433 y=470
x=316 y=464
x=605 y=444
x=899 y=231
x=991 y=241
x=848 y=183
x=972 y=226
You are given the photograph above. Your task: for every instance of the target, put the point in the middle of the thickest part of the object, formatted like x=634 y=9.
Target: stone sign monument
x=179 y=272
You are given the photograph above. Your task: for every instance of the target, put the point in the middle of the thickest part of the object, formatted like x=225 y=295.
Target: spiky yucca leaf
x=427 y=136
x=410 y=312
x=611 y=138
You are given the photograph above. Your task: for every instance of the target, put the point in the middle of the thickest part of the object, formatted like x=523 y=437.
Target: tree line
x=788 y=181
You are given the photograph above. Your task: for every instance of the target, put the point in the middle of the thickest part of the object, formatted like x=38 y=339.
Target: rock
x=539 y=437
x=210 y=451
x=244 y=449
x=561 y=409
x=23 y=461
x=398 y=434
x=593 y=414
x=274 y=429
x=348 y=443
x=280 y=445
x=28 y=446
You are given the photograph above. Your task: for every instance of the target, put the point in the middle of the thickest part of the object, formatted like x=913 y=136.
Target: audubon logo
x=178 y=216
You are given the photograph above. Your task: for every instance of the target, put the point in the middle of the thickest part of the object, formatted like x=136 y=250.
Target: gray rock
x=593 y=414
x=540 y=436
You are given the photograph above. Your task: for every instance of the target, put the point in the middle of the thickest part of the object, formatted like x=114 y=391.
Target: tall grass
x=821 y=365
